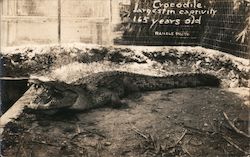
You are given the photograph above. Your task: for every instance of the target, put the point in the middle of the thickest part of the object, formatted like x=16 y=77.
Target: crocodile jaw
x=68 y=100
x=52 y=98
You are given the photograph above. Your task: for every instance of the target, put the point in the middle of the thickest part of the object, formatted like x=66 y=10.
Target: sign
x=164 y=22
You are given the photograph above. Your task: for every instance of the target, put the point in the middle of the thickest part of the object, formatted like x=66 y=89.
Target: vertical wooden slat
x=59 y=22
x=110 y=22
x=99 y=33
x=1 y=70
x=1 y=12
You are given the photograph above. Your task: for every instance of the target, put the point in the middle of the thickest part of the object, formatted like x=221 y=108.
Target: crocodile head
x=54 y=95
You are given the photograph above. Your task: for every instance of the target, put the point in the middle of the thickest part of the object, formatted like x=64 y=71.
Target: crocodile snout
x=55 y=98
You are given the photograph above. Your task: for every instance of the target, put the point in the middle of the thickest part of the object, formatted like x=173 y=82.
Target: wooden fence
x=51 y=21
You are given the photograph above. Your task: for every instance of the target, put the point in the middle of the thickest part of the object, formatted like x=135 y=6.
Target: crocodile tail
x=189 y=80
x=192 y=80
x=207 y=80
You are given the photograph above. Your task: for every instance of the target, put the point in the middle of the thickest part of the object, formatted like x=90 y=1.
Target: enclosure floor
x=179 y=122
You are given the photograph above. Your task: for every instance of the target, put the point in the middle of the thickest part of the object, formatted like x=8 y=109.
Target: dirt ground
x=170 y=123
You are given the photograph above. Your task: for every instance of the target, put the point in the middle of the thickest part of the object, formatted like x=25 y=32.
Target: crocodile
x=110 y=87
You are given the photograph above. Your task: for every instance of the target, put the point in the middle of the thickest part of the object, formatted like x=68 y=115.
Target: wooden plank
x=18 y=107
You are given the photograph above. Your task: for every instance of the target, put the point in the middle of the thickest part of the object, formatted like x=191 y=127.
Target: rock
x=207 y=60
x=107 y=144
x=232 y=75
x=197 y=64
x=234 y=83
x=195 y=142
x=248 y=83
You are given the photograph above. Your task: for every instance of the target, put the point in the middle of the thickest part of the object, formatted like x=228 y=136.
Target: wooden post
x=110 y=23
x=1 y=68
x=1 y=12
x=59 y=22
x=99 y=33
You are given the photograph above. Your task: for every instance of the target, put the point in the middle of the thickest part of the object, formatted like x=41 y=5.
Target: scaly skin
x=109 y=87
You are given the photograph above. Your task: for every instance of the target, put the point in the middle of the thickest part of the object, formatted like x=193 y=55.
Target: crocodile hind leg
x=131 y=90
x=116 y=101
